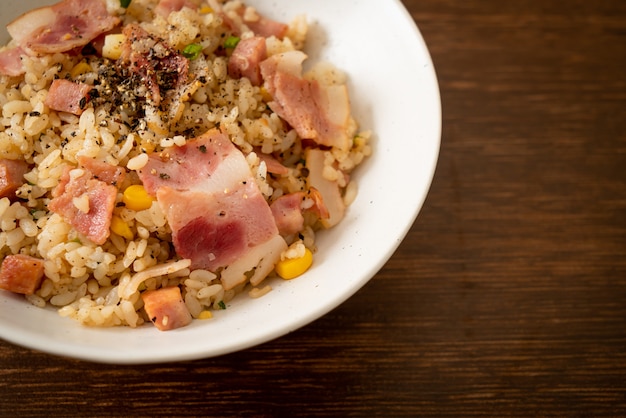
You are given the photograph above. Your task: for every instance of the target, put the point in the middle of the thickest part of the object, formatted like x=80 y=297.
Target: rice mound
x=85 y=281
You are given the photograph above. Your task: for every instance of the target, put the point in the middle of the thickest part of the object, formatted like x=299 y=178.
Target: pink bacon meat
x=165 y=308
x=62 y=26
x=246 y=59
x=58 y=28
x=218 y=216
x=317 y=112
x=93 y=221
x=67 y=96
x=21 y=274
x=11 y=176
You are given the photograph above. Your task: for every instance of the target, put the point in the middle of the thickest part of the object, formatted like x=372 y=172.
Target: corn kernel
x=205 y=315
x=80 y=69
x=291 y=268
x=136 y=198
x=265 y=94
x=112 y=48
x=121 y=228
x=205 y=10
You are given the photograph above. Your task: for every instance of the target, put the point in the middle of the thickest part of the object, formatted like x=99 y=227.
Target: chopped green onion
x=231 y=41
x=125 y=3
x=221 y=304
x=192 y=51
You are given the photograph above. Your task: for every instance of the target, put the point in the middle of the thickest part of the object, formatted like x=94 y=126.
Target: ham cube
x=11 y=176
x=21 y=274
x=165 y=308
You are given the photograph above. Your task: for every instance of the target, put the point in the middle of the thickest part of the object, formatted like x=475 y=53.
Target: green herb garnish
x=221 y=304
x=125 y=3
x=192 y=51
x=231 y=42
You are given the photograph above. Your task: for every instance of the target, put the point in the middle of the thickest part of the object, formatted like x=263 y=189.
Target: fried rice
x=101 y=284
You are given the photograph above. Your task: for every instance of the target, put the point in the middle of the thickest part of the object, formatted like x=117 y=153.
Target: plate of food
x=181 y=179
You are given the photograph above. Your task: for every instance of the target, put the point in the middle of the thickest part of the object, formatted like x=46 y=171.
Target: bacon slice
x=11 y=61
x=273 y=165
x=218 y=216
x=245 y=59
x=11 y=176
x=113 y=175
x=215 y=229
x=288 y=210
x=317 y=112
x=94 y=220
x=67 y=96
x=157 y=64
x=165 y=7
x=257 y=23
x=21 y=274
x=165 y=308
x=62 y=26
x=327 y=189
x=267 y=27
x=210 y=163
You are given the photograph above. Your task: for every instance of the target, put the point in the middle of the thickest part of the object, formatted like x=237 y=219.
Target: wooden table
x=508 y=296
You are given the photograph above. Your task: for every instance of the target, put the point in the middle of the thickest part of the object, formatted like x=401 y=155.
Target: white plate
x=394 y=93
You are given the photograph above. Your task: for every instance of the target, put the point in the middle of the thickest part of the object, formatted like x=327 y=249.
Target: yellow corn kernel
x=80 y=69
x=121 y=228
x=136 y=198
x=291 y=268
x=205 y=315
x=205 y=10
x=265 y=95
x=112 y=48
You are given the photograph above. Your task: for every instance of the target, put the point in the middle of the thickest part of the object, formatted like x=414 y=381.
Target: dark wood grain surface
x=508 y=296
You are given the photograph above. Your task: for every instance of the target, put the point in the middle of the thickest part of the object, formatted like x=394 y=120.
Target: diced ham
x=94 y=220
x=159 y=66
x=329 y=190
x=245 y=59
x=110 y=174
x=21 y=274
x=317 y=112
x=165 y=7
x=62 y=26
x=11 y=61
x=67 y=96
x=11 y=176
x=165 y=308
x=218 y=216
